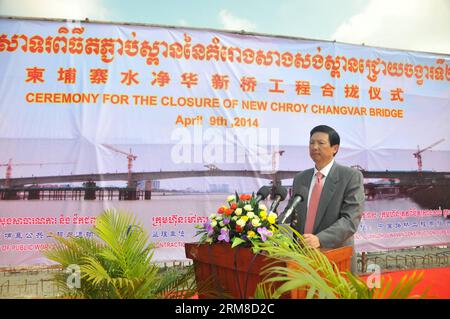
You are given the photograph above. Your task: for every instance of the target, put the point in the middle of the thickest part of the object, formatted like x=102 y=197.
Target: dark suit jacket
x=340 y=207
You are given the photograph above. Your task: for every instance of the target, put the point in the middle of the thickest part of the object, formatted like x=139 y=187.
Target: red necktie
x=313 y=204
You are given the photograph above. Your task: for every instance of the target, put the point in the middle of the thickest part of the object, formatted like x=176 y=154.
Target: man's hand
x=312 y=240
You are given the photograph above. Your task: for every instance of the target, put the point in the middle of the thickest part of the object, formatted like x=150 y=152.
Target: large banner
x=199 y=114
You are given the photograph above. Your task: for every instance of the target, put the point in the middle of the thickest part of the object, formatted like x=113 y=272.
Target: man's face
x=320 y=149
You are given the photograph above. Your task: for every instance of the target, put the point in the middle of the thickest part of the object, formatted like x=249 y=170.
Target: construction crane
x=130 y=156
x=419 y=152
x=10 y=164
x=275 y=180
x=274 y=159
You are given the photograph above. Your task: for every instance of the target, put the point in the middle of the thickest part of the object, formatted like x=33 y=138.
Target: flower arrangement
x=242 y=221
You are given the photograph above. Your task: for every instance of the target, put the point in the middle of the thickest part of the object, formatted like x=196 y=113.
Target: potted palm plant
x=309 y=274
x=118 y=263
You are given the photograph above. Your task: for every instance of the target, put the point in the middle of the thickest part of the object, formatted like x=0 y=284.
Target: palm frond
x=310 y=270
x=402 y=290
x=176 y=283
x=116 y=264
x=265 y=290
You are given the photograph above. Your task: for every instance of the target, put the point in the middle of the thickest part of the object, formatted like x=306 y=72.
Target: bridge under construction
x=429 y=189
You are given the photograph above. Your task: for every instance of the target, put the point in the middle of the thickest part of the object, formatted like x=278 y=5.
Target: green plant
x=118 y=263
x=311 y=271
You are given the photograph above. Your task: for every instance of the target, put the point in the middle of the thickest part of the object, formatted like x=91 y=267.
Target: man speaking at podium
x=330 y=214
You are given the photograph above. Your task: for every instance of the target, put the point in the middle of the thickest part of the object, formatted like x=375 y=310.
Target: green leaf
x=236 y=241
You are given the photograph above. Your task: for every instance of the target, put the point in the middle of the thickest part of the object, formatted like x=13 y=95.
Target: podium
x=235 y=272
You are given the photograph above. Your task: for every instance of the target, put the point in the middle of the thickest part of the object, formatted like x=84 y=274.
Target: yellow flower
x=234 y=218
x=250 y=215
x=213 y=223
x=241 y=222
x=263 y=214
x=272 y=218
x=248 y=207
x=256 y=222
x=231 y=198
x=238 y=211
x=251 y=234
x=244 y=218
x=262 y=207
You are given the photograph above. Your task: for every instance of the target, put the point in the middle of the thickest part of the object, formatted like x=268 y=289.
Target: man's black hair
x=333 y=136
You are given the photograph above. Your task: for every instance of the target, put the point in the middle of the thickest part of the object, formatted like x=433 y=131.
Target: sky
x=420 y=25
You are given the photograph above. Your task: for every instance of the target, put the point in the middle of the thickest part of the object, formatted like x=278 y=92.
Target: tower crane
x=130 y=156
x=419 y=152
x=10 y=164
x=275 y=154
x=274 y=159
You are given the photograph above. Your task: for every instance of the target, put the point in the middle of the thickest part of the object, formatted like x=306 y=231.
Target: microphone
x=280 y=193
x=262 y=193
x=298 y=197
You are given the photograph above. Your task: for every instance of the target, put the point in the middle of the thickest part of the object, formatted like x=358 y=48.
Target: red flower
x=228 y=211
x=239 y=229
x=221 y=210
x=233 y=206
x=245 y=197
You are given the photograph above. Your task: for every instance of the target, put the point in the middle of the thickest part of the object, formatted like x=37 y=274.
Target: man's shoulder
x=346 y=170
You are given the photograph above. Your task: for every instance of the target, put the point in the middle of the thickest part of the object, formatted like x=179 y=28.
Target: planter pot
x=235 y=272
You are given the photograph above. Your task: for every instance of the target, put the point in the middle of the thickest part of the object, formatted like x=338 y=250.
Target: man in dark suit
x=332 y=208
